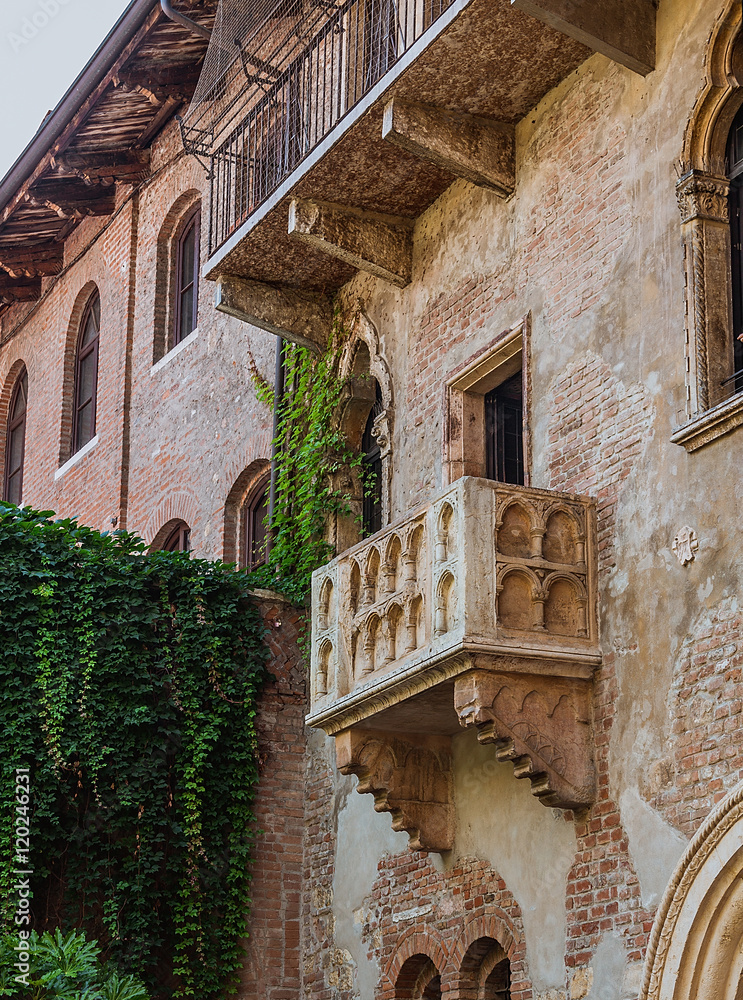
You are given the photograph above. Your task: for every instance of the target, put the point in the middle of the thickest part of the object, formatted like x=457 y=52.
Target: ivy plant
x=129 y=686
x=311 y=450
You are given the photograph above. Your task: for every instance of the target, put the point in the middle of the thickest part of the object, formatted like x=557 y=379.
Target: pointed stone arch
x=362 y=364
x=696 y=944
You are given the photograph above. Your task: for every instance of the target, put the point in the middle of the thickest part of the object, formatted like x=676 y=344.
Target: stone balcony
x=478 y=609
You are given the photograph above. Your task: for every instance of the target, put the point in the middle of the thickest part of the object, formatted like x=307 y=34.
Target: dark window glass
x=179 y=539
x=187 y=281
x=256 y=529
x=16 y=442
x=86 y=376
x=735 y=172
x=372 y=467
x=504 y=432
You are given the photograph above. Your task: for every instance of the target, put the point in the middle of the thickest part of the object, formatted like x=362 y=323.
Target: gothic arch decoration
x=361 y=357
x=696 y=944
x=702 y=192
x=176 y=219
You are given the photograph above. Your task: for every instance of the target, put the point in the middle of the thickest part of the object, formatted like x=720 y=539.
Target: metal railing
x=355 y=46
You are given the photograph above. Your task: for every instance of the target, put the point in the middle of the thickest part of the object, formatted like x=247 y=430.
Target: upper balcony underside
x=478 y=58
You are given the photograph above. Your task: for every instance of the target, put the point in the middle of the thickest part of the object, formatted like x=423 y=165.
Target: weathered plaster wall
x=590 y=245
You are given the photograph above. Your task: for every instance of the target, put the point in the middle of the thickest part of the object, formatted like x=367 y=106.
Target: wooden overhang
x=104 y=143
x=483 y=66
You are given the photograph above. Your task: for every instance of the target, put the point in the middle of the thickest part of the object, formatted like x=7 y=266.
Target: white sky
x=44 y=45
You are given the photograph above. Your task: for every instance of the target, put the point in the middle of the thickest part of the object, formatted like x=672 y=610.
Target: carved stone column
x=703 y=202
x=541 y=724
x=410 y=777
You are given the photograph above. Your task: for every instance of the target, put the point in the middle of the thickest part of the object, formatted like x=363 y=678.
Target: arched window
x=255 y=529
x=187 y=279
x=372 y=464
x=86 y=375
x=16 y=441
x=179 y=539
x=734 y=381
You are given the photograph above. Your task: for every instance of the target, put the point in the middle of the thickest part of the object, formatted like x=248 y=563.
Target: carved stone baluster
x=537 y=538
x=442 y=538
x=538 y=602
x=411 y=627
x=582 y=603
x=369 y=645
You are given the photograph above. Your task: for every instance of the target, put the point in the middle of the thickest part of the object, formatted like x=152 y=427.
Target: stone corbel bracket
x=410 y=777
x=541 y=724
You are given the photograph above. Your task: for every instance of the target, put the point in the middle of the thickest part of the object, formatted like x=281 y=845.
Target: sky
x=44 y=45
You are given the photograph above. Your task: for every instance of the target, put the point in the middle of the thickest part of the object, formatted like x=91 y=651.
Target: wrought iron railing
x=288 y=116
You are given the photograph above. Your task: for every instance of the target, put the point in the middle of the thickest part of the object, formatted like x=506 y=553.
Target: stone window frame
x=466 y=388
x=702 y=192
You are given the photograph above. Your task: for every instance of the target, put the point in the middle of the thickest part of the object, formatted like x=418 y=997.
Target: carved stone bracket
x=541 y=724
x=410 y=778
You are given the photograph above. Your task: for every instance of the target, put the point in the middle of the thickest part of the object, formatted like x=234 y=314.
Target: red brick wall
x=273 y=965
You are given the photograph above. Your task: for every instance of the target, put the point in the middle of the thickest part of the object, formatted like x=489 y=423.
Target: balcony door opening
x=372 y=465
x=504 y=432
x=487 y=427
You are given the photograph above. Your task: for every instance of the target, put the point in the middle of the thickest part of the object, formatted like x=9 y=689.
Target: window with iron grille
x=187 y=279
x=504 y=432
x=15 y=443
x=86 y=375
x=372 y=465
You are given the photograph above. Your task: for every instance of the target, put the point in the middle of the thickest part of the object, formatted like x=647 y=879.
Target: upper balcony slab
x=480 y=58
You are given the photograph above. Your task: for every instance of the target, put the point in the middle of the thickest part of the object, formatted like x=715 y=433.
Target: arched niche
x=696 y=944
x=367 y=387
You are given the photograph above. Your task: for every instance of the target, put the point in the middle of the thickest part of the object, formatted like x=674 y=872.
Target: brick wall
x=273 y=966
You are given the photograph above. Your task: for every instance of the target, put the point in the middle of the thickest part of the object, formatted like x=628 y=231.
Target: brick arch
x=241 y=490
x=171 y=228
x=181 y=506
x=5 y=396
x=414 y=942
x=86 y=293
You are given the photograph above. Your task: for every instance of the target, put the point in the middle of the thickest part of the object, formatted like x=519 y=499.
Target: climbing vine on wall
x=311 y=452
x=129 y=683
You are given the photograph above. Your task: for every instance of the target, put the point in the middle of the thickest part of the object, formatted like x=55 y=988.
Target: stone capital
x=703 y=196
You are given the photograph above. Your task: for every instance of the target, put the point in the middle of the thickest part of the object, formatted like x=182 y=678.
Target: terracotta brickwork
x=273 y=965
x=446 y=914
x=172 y=441
x=706 y=759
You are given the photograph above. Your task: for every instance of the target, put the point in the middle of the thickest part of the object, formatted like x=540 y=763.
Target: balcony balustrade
x=478 y=609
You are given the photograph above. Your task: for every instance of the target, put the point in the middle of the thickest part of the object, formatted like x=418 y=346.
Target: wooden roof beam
x=18 y=290
x=622 y=30
x=32 y=262
x=70 y=198
x=128 y=166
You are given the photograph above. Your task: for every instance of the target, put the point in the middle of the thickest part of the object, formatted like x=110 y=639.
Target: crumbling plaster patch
x=363 y=837
x=493 y=811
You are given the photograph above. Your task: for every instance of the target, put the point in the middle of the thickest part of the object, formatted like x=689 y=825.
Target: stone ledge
x=710 y=425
